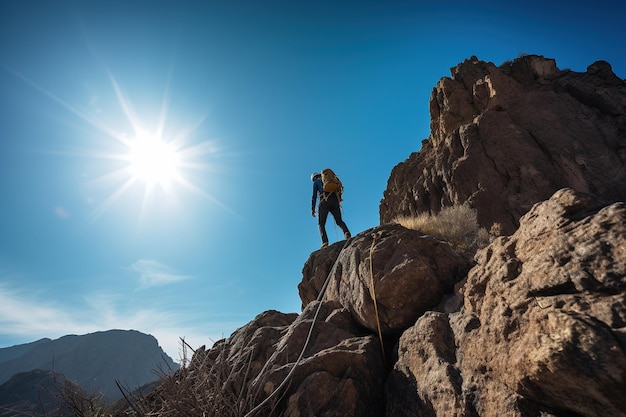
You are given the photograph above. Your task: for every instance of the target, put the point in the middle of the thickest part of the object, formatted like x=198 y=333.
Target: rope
x=373 y=295
x=320 y=297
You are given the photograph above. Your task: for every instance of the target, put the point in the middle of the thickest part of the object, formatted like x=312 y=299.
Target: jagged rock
x=543 y=327
x=503 y=138
x=409 y=270
x=247 y=350
x=340 y=373
x=315 y=272
x=426 y=350
x=215 y=382
x=342 y=370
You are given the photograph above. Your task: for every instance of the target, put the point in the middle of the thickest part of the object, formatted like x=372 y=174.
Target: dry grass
x=206 y=386
x=457 y=225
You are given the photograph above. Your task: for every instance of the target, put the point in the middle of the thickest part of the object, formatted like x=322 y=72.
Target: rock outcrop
x=319 y=362
x=397 y=323
x=405 y=271
x=542 y=330
x=504 y=138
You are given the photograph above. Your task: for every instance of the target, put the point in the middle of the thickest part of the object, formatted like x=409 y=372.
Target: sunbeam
x=147 y=162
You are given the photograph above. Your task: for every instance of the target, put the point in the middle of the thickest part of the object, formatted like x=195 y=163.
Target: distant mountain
x=94 y=361
x=18 y=350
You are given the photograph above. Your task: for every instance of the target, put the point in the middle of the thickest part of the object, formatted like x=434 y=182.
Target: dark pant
x=330 y=205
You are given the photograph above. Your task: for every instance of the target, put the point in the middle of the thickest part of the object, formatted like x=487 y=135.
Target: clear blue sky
x=255 y=96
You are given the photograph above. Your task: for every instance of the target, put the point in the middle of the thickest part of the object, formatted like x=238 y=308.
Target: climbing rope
x=373 y=295
x=320 y=297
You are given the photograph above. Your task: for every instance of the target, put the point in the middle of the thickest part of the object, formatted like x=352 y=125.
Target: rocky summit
x=396 y=322
x=503 y=138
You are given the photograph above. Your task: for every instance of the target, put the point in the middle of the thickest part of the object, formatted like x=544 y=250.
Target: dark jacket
x=317 y=190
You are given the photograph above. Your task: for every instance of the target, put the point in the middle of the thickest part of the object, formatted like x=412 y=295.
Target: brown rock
x=410 y=273
x=541 y=331
x=341 y=372
x=315 y=272
x=558 y=312
x=319 y=363
x=425 y=380
x=504 y=138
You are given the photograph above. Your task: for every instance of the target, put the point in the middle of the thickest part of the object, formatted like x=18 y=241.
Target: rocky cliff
x=398 y=323
x=503 y=138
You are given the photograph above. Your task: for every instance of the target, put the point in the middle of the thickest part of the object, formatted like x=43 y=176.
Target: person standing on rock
x=329 y=188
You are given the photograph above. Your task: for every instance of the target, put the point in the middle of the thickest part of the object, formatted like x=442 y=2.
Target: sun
x=154 y=161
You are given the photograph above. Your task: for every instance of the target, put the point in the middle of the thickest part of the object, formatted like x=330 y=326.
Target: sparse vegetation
x=76 y=402
x=206 y=386
x=63 y=398
x=458 y=225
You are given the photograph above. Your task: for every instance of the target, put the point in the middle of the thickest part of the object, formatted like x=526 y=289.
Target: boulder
x=404 y=271
x=341 y=372
x=542 y=330
x=315 y=272
x=425 y=380
x=318 y=363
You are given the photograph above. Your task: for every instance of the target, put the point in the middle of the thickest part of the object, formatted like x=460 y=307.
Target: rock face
x=504 y=138
x=406 y=272
x=542 y=328
x=339 y=368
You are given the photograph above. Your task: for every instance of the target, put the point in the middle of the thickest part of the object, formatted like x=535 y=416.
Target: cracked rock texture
x=542 y=330
x=504 y=138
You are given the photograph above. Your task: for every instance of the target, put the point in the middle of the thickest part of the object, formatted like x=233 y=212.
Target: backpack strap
x=325 y=195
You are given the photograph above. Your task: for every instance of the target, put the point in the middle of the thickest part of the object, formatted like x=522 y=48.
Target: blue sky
x=253 y=96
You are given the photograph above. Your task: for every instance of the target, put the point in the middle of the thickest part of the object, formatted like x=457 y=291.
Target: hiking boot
x=347 y=235
x=324 y=244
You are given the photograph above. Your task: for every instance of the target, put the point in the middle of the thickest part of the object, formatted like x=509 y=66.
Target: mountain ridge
x=94 y=360
x=15 y=351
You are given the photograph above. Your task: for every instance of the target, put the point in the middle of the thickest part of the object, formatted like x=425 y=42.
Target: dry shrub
x=61 y=398
x=457 y=225
x=206 y=386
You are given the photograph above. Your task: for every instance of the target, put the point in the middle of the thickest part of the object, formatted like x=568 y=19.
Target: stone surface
x=339 y=370
x=425 y=380
x=504 y=138
x=542 y=328
x=405 y=271
x=315 y=272
x=341 y=373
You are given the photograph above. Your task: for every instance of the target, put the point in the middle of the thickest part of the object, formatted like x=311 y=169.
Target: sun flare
x=139 y=163
x=153 y=161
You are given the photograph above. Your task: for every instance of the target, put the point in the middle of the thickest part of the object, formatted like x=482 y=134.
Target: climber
x=329 y=189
